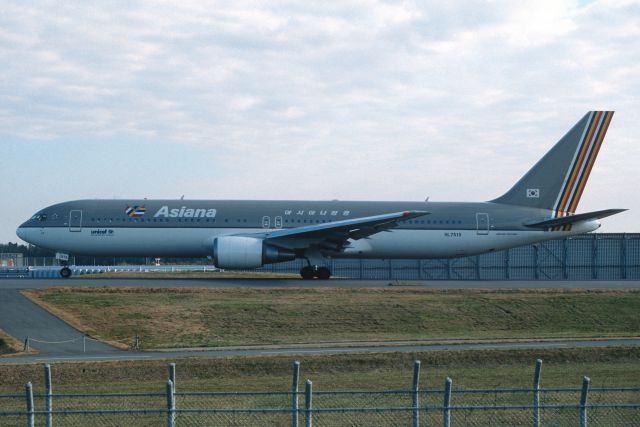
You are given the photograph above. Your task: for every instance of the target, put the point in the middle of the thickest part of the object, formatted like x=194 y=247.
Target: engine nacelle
x=247 y=252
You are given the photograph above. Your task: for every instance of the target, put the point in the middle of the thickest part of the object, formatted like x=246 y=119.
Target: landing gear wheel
x=323 y=273
x=65 y=272
x=307 y=272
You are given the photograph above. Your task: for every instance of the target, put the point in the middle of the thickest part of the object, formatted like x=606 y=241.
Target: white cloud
x=357 y=99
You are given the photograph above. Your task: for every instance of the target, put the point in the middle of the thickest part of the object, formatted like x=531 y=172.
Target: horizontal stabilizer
x=565 y=220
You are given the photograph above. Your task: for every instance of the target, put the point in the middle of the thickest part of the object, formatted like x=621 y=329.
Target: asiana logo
x=184 y=212
x=135 y=211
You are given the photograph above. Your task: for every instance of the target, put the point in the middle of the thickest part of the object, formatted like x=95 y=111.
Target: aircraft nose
x=22 y=233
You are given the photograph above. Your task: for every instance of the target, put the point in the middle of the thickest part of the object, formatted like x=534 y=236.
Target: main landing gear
x=309 y=272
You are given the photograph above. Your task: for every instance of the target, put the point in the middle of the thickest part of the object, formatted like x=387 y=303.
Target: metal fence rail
x=588 y=257
x=446 y=406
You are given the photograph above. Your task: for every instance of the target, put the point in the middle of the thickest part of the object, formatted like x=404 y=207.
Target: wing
x=334 y=235
x=555 y=222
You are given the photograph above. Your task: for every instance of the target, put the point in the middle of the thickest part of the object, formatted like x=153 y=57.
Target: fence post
x=84 y=343
x=172 y=375
x=294 y=394
x=29 y=396
x=594 y=256
x=623 y=257
x=507 y=266
x=171 y=405
x=536 y=261
x=48 y=400
x=536 y=394
x=416 y=403
x=565 y=274
x=308 y=404
x=446 y=415
x=583 y=401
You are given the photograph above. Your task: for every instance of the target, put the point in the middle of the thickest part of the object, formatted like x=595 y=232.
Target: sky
x=349 y=100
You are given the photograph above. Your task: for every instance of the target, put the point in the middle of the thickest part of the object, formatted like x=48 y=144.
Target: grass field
x=9 y=345
x=607 y=367
x=172 y=318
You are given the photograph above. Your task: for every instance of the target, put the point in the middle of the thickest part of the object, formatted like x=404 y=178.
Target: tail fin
x=557 y=181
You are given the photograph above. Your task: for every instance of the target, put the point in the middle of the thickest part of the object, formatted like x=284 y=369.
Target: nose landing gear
x=309 y=272
x=65 y=272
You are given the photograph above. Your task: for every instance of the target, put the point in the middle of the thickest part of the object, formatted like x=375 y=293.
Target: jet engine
x=247 y=252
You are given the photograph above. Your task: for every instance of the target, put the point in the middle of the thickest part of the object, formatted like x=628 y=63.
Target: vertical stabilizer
x=557 y=181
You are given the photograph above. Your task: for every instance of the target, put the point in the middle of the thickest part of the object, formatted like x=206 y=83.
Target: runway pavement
x=333 y=283
x=57 y=341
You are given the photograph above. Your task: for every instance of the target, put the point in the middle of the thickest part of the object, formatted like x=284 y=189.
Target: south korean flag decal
x=533 y=193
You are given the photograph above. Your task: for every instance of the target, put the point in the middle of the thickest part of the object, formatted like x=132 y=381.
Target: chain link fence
x=446 y=406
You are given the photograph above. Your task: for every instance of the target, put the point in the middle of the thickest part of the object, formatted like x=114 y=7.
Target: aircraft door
x=75 y=220
x=482 y=220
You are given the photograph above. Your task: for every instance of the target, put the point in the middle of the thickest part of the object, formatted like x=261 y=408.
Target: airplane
x=247 y=234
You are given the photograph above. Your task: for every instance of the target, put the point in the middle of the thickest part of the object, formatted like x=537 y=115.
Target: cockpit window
x=39 y=217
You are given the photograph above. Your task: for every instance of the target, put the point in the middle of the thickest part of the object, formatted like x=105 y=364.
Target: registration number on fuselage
x=453 y=234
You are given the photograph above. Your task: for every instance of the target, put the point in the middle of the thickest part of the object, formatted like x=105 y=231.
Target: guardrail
x=53 y=272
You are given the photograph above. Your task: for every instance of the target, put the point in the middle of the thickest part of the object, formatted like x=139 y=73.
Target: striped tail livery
x=557 y=181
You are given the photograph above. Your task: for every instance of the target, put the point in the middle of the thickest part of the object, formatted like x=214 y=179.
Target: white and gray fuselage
x=188 y=228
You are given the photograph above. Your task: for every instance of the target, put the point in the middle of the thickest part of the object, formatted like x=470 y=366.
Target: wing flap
x=338 y=232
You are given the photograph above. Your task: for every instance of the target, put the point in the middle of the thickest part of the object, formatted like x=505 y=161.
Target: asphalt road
x=57 y=341
x=334 y=283
x=21 y=318
x=315 y=350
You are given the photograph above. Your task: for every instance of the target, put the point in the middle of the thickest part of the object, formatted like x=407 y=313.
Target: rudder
x=557 y=181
